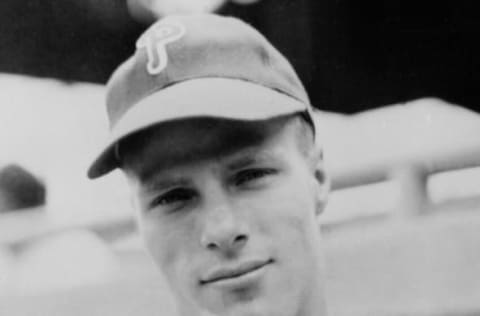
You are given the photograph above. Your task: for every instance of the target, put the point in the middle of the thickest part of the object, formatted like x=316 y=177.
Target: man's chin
x=244 y=303
x=244 y=309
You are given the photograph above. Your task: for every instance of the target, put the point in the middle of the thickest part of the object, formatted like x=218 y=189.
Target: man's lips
x=235 y=271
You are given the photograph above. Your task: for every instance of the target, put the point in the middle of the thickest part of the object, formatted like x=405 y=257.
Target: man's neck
x=314 y=302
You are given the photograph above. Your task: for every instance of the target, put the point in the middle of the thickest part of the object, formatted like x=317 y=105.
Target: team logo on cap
x=154 y=41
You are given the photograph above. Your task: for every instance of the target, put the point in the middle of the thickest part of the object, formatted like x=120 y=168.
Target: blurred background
x=396 y=88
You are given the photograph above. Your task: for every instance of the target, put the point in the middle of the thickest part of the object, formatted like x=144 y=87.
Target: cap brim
x=205 y=97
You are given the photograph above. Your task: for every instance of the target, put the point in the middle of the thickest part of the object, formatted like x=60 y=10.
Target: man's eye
x=173 y=196
x=249 y=175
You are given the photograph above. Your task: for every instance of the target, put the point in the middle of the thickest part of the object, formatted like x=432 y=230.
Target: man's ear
x=321 y=179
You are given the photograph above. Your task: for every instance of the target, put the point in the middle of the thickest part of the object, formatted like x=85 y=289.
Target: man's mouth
x=234 y=272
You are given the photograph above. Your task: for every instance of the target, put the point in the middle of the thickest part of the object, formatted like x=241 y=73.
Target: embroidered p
x=155 y=40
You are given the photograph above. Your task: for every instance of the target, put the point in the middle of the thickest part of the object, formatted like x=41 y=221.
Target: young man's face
x=228 y=212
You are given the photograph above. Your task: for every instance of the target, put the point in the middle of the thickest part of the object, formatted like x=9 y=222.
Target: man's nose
x=224 y=231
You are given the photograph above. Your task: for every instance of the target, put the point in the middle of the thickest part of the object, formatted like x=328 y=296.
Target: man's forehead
x=190 y=141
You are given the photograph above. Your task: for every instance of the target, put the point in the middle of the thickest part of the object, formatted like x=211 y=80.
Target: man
x=213 y=130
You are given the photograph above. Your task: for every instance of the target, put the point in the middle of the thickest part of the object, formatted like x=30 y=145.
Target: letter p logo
x=155 y=40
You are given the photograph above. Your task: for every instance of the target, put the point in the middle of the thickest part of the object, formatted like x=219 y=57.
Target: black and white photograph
x=239 y=158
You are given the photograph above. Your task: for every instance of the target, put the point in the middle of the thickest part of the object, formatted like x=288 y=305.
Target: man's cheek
x=159 y=243
x=164 y=258
x=295 y=220
x=171 y=253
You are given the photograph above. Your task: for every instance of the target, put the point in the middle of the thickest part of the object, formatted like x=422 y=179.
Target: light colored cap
x=198 y=66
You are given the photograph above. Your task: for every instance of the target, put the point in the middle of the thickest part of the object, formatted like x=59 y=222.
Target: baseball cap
x=201 y=65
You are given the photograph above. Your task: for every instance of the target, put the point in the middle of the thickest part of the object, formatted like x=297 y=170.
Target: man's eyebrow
x=248 y=159
x=157 y=182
